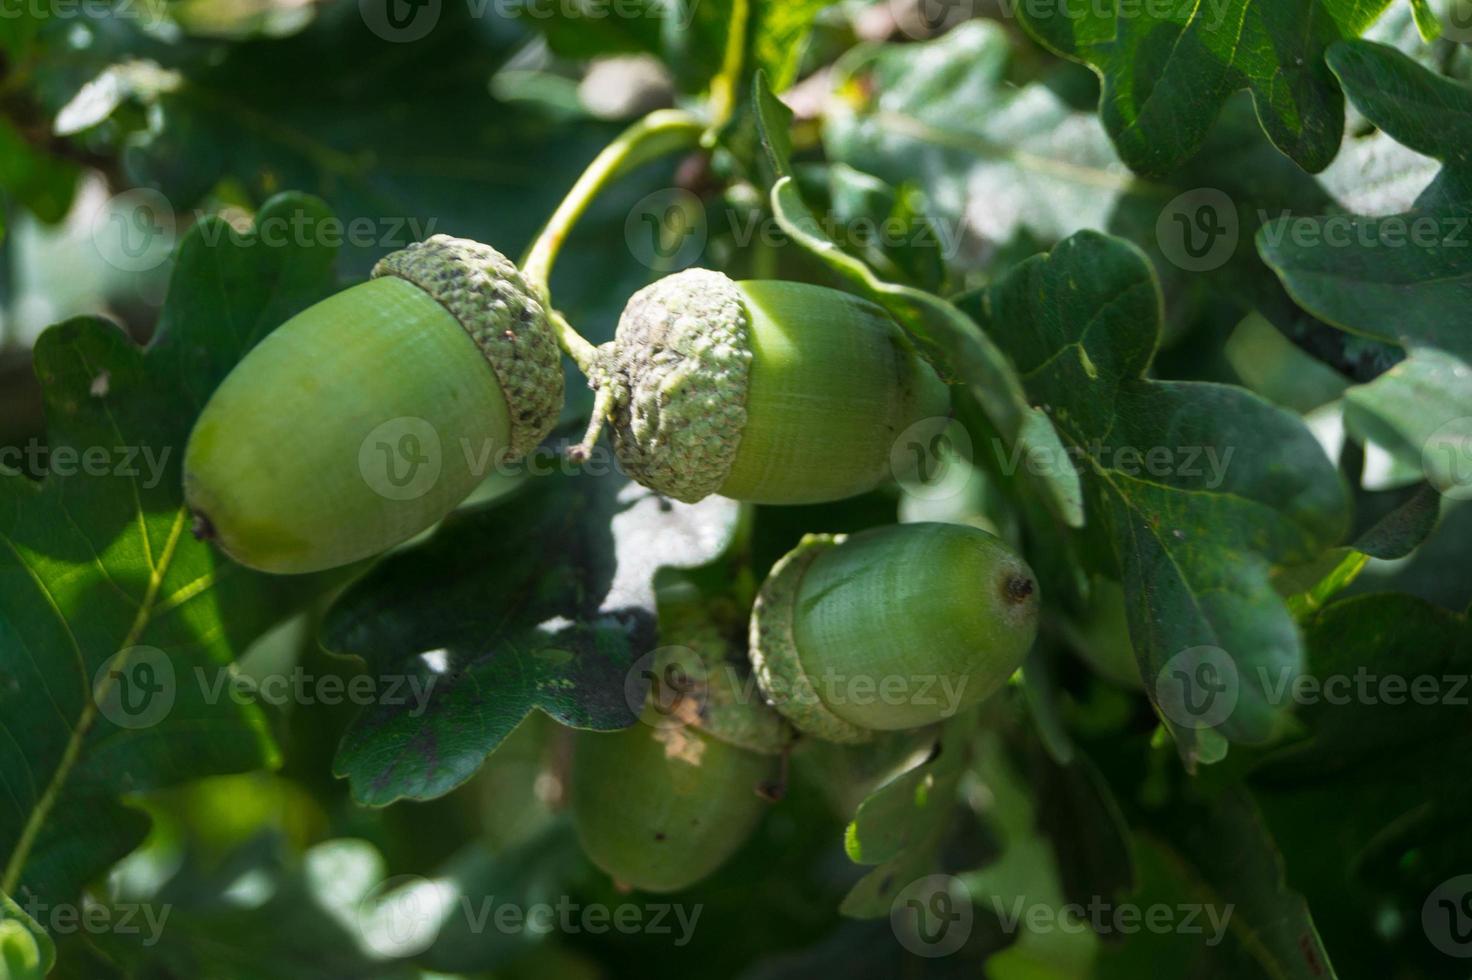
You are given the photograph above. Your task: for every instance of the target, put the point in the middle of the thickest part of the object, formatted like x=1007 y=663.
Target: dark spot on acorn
x=775 y=790
x=659 y=836
x=201 y=527
x=1018 y=588
x=772 y=792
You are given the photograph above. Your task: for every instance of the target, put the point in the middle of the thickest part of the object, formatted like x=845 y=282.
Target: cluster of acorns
x=766 y=392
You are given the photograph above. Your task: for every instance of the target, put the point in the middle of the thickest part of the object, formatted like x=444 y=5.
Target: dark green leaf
x=1394 y=536
x=1370 y=816
x=901 y=826
x=1237 y=485
x=1167 y=70
x=1355 y=647
x=1224 y=849
x=1406 y=278
x=437 y=153
x=951 y=338
x=1004 y=162
x=40 y=182
x=542 y=601
x=1028 y=877
x=1078 y=813
x=102 y=588
x=264 y=913
x=483 y=885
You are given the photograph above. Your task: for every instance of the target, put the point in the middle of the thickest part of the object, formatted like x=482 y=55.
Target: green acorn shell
x=661 y=805
x=365 y=419
x=892 y=628
x=768 y=392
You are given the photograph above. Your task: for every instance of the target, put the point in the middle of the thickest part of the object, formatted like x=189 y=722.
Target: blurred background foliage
x=210 y=107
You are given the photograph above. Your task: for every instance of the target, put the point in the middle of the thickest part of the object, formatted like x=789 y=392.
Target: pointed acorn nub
x=768 y=392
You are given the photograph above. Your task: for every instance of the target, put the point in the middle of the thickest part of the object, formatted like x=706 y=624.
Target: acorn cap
x=718 y=694
x=774 y=653
x=679 y=369
x=485 y=292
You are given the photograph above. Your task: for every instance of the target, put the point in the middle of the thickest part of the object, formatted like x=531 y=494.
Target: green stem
x=658 y=133
x=10 y=879
x=577 y=347
x=723 y=96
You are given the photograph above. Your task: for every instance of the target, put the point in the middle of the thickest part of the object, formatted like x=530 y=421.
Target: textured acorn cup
x=767 y=392
x=661 y=805
x=892 y=628
x=365 y=419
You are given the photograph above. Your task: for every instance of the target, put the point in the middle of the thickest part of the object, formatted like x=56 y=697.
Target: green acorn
x=661 y=805
x=368 y=417
x=892 y=628
x=20 y=955
x=767 y=392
